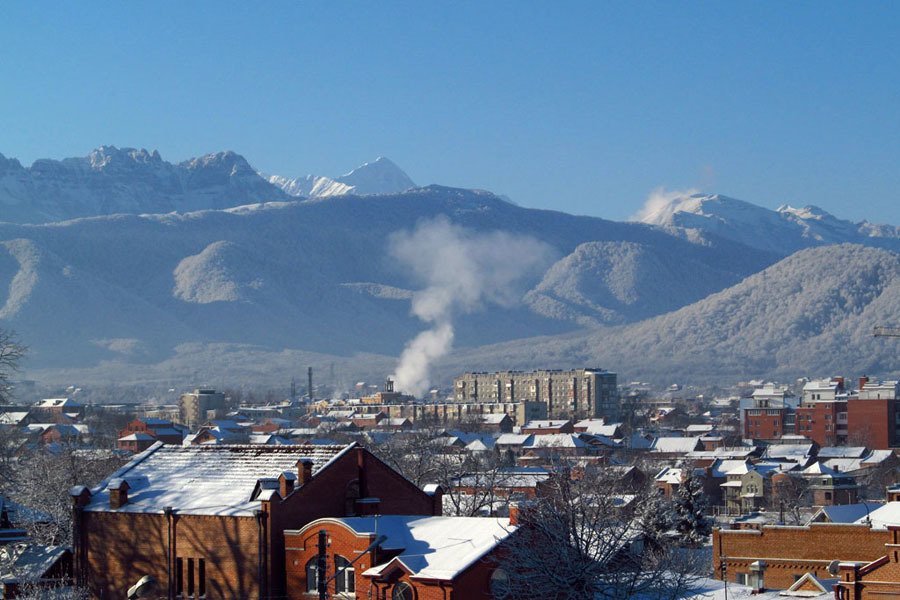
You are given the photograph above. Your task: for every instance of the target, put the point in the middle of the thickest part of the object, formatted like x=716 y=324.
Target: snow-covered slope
x=785 y=230
x=114 y=180
x=380 y=176
x=810 y=314
x=298 y=276
x=620 y=282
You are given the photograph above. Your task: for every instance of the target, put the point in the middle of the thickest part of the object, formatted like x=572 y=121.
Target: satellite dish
x=834 y=567
x=142 y=589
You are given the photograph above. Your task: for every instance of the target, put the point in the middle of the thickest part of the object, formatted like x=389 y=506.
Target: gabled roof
x=432 y=547
x=205 y=480
x=556 y=440
x=675 y=445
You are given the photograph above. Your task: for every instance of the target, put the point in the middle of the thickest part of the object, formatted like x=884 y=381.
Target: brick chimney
x=863 y=381
x=286 y=483
x=513 y=513
x=80 y=494
x=304 y=471
x=118 y=493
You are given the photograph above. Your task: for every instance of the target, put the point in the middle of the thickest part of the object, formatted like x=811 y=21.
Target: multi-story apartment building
x=197 y=407
x=822 y=414
x=873 y=415
x=768 y=413
x=577 y=393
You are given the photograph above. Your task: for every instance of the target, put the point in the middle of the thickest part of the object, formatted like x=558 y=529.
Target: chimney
x=361 y=474
x=756 y=576
x=118 y=493
x=304 y=470
x=437 y=498
x=80 y=494
x=286 y=483
x=513 y=513
x=309 y=383
x=863 y=381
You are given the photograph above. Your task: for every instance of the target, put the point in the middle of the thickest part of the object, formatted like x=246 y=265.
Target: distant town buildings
x=578 y=393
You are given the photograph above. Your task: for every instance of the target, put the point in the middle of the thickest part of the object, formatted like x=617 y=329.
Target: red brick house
x=209 y=521
x=398 y=557
x=140 y=434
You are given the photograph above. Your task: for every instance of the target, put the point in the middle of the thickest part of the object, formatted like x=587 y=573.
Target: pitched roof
x=205 y=480
x=433 y=547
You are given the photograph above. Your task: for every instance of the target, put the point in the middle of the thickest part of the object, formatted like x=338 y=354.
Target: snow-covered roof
x=57 y=403
x=846 y=513
x=433 y=547
x=842 y=452
x=670 y=475
x=819 y=469
x=513 y=439
x=137 y=437
x=675 y=445
x=545 y=424
x=205 y=480
x=12 y=418
x=556 y=440
x=33 y=562
x=888 y=514
x=788 y=450
x=493 y=419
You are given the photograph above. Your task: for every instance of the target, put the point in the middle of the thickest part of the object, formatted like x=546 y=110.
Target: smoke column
x=461 y=270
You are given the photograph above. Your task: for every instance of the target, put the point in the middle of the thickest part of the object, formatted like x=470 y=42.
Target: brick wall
x=792 y=551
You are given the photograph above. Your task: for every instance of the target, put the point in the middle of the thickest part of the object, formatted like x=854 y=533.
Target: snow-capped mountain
x=784 y=230
x=380 y=176
x=114 y=180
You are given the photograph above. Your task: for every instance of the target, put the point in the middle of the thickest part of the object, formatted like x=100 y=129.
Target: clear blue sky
x=578 y=106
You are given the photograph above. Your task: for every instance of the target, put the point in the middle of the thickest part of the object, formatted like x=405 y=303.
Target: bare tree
x=790 y=497
x=42 y=482
x=11 y=353
x=583 y=539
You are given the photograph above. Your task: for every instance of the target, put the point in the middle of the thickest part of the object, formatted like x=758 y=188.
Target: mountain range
x=123 y=267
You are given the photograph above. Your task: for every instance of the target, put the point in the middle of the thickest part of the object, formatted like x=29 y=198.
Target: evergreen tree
x=691 y=522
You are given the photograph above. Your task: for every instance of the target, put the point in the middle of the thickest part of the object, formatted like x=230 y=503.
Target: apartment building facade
x=577 y=393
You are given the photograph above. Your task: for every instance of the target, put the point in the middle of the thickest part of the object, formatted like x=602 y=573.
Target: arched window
x=500 y=584
x=352 y=495
x=312 y=571
x=345 y=576
x=402 y=591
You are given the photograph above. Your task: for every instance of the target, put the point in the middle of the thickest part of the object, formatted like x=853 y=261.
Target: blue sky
x=578 y=106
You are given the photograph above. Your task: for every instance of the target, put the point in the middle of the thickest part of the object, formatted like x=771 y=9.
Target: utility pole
x=321 y=565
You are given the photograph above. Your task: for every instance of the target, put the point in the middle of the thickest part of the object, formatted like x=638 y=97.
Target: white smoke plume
x=461 y=270
x=660 y=202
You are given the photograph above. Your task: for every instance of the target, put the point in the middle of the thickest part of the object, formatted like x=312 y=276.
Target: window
x=500 y=584
x=190 y=578
x=312 y=572
x=828 y=495
x=402 y=591
x=345 y=576
x=179 y=576
x=740 y=578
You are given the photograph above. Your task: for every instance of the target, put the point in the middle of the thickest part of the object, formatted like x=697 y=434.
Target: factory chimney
x=309 y=386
